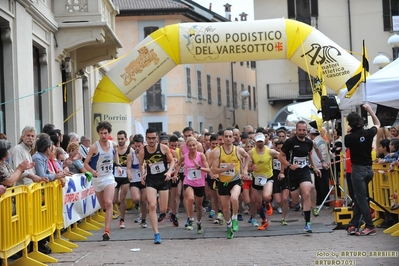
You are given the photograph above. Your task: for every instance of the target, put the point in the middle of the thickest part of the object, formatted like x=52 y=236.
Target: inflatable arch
x=194 y=43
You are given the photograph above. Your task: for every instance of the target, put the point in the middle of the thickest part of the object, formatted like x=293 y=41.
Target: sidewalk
x=330 y=247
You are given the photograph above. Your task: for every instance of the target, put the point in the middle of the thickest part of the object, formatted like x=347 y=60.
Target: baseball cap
x=314 y=131
x=260 y=137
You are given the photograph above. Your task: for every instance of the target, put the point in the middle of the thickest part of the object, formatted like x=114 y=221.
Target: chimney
x=227 y=9
x=210 y=6
x=243 y=16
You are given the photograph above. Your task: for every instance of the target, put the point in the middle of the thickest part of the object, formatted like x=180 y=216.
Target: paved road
x=299 y=249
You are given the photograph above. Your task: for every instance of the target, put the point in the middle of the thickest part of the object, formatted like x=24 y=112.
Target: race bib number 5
x=157 y=168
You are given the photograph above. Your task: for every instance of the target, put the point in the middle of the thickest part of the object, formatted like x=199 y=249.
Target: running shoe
x=315 y=212
x=298 y=207
x=215 y=221
x=279 y=210
x=143 y=224
x=250 y=219
x=230 y=233
x=367 y=232
x=239 y=217
x=269 y=209
x=283 y=222
x=174 y=219
x=264 y=225
x=157 y=238
x=220 y=218
x=308 y=227
x=199 y=228
x=121 y=224
x=351 y=230
x=161 y=217
x=138 y=219
x=212 y=214
x=254 y=223
x=235 y=225
x=190 y=225
x=106 y=235
x=187 y=222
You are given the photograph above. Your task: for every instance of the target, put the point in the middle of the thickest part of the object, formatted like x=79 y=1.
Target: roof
x=148 y=4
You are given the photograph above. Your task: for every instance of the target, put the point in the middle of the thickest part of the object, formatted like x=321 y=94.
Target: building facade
x=203 y=96
x=345 y=22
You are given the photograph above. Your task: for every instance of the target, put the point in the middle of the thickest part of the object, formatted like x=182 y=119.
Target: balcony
x=288 y=92
x=88 y=28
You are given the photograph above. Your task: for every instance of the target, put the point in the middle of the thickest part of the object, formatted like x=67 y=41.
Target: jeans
x=361 y=176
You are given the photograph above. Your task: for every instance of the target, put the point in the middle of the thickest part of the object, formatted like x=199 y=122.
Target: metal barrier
x=384 y=186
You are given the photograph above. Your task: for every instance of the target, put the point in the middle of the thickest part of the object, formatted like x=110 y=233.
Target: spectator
x=47 y=128
x=394 y=132
x=65 y=142
x=76 y=166
x=73 y=137
x=84 y=146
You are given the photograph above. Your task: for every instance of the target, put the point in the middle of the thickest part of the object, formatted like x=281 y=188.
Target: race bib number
x=276 y=164
x=157 y=168
x=181 y=170
x=228 y=172
x=173 y=170
x=123 y=174
x=260 y=180
x=301 y=161
x=193 y=174
x=106 y=168
x=136 y=174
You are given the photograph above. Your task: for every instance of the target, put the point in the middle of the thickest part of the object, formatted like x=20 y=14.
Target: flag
x=316 y=119
x=360 y=75
x=319 y=88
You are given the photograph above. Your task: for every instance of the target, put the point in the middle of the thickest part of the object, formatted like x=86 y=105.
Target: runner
x=99 y=161
x=246 y=188
x=177 y=184
x=227 y=163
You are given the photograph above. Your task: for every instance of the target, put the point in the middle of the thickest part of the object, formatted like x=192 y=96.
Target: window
x=157 y=126
x=154 y=98
x=235 y=98
x=249 y=98
x=208 y=86
x=37 y=88
x=304 y=83
x=149 y=30
x=253 y=64
x=390 y=8
x=219 y=92
x=254 y=97
x=199 y=85
x=241 y=63
x=303 y=10
x=188 y=77
x=201 y=126
x=247 y=64
x=242 y=98
x=227 y=93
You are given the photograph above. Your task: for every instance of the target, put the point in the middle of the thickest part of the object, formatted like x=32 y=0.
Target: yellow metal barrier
x=384 y=185
x=15 y=227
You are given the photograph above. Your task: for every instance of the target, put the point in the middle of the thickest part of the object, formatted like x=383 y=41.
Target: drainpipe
x=232 y=94
x=350 y=25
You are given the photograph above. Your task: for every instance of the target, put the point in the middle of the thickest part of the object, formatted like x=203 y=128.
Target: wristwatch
x=199 y=167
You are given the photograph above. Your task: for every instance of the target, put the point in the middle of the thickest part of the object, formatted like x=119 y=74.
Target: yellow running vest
x=264 y=163
x=225 y=160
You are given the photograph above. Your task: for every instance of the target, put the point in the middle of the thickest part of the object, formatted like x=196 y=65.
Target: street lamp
x=381 y=60
x=394 y=42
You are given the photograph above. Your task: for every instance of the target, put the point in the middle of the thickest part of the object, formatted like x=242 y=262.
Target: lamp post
x=381 y=60
x=243 y=95
x=394 y=42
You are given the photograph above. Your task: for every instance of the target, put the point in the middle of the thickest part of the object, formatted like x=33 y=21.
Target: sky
x=237 y=7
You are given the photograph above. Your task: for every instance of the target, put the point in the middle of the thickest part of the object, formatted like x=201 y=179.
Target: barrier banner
x=79 y=199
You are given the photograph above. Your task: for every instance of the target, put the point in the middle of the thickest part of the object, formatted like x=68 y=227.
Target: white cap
x=314 y=131
x=260 y=137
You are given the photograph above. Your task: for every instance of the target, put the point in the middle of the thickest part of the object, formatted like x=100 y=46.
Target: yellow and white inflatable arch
x=194 y=43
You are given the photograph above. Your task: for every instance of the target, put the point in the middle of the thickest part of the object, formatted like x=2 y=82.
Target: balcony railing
x=288 y=91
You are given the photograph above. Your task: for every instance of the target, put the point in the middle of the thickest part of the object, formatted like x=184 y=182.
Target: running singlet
x=103 y=162
x=156 y=163
x=194 y=177
x=225 y=160
x=297 y=152
x=264 y=164
x=136 y=175
x=122 y=162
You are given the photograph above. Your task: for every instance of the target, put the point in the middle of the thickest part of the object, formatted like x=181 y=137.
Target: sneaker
x=315 y=212
x=264 y=225
x=199 y=228
x=235 y=225
x=269 y=209
x=279 y=210
x=220 y=218
x=187 y=222
x=367 y=232
x=230 y=233
x=250 y=220
x=143 y=224
x=212 y=214
x=138 y=219
x=106 y=235
x=161 y=217
x=351 y=230
x=283 y=222
x=254 y=223
x=121 y=224
x=239 y=217
x=298 y=207
x=157 y=238
x=190 y=225
x=308 y=227
x=174 y=219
